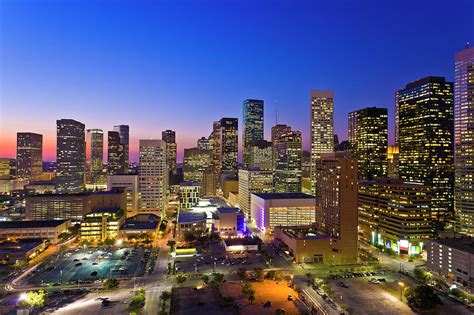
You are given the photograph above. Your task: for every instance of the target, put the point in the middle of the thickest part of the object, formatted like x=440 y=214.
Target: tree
x=189 y=237
x=422 y=298
x=259 y=274
x=165 y=295
x=251 y=296
x=217 y=278
x=246 y=288
x=278 y=275
x=111 y=284
x=214 y=237
x=138 y=301
x=205 y=279
x=171 y=244
x=242 y=273
x=180 y=278
x=33 y=299
x=226 y=301
x=308 y=277
x=280 y=311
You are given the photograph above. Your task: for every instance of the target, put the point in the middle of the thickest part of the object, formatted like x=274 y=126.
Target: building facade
x=129 y=184
x=288 y=167
x=253 y=181
x=188 y=194
x=195 y=163
x=277 y=132
x=95 y=155
x=124 y=132
x=260 y=154
x=29 y=155
x=102 y=224
x=229 y=145
x=253 y=127
x=169 y=136
x=115 y=154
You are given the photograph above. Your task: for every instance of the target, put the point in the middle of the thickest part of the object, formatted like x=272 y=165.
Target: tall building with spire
x=253 y=127
x=70 y=156
x=322 y=128
x=464 y=141
x=29 y=154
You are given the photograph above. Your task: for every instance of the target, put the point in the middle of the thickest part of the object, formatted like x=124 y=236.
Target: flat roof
x=228 y=210
x=30 y=224
x=20 y=247
x=307 y=232
x=106 y=210
x=188 y=216
x=465 y=244
x=271 y=196
x=242 y=241
x=139 y=225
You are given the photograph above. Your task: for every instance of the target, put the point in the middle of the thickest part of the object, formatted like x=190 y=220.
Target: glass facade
x=253 y=127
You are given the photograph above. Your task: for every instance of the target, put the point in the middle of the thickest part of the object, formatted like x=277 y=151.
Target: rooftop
x=189 y=184
x=139 y=225
x=18 y=247
x=242 y=241
x=188 y=216
x=228 y=210
x=106 y=210
x=302 y=232
x=464 y=244
x=271 y=196
x=30 y=224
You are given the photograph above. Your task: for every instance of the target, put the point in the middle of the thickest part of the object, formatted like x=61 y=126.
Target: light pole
x=401 y=284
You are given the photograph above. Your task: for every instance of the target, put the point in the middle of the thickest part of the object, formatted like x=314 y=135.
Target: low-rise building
x=141 y=225
x=49 y=230
x=191 y=222
x=129 y=183
x=12 y=252
x=188 y=194
x=229 y=222
x=452 y=258
x=285 y=209
x=102 y=224
x=252 y=181
x=240 y=244
x=41 y=187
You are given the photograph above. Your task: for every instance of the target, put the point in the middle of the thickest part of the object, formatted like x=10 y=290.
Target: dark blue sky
x=159 y=65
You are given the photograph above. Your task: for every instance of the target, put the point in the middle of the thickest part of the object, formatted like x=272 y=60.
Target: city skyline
x=142 y=86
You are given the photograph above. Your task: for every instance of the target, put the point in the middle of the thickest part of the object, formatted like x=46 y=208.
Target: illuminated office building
x=464 y=141
x=393 y=155
x=253 y=181
x=395 y=214
x=70 y=156
x=129 y=184
x=288 y=167
x=368 y=138
x=322 y=128
x=95 y=154
x=277 y=132
x=225 y=146
x=195 y=163
x=153 y=176
x=115 y=154
x=204 y=144
x=124 y=132
x=169 y=136
x=253 y=127
x=188 y=194
x=425 y=109
x=260 y=154
x=337 y=201
x=7 y=168
x=29 y=155
x=102 y=224
x=216 y=150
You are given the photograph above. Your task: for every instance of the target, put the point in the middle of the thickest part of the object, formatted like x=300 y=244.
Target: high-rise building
x=216 y=150
x=288 y=166
x=29 y=155
x=464 y=141
x=95 y=154
x=322 y=128
x=226 y=139
x=209 y=184
x=395 y=214
x=129 y=184
x=260 y=154
x=425 y=109
x=368 y=138
x=253 y=127
x=115 y=154
x=70 y=156
x=393 y=155
x=204 y=144
x=336 y=195
x=188 y=194
x=169 y=136
x=153 y=176
x=124 y=132
x=253 y=181
x=7 y=168
x=195 y=163
x=277 y=132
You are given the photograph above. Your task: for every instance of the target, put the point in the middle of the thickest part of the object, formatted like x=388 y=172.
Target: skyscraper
x=368 y=138
x=253 y=126
x=227 y=140
x=216 y=150
x=464 y=141
x=288 y=166
x=29 y=154
x=425 y=129
x=260 y=154
x=204 y=144
x=115 y=154
x=70 y=156
x=195 y=163
x=153 y=177
x=95 y=150
x=124 y=132
x=277 y=132
x=322 y=128
x=253 y=181
x=169 y=136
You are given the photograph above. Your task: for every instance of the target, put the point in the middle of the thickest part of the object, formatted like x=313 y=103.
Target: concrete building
x=204 y=143
x=452 y=258
x=188 y=194
x=209 y=185
x=95 y=155
x=29 y=155
x=7 y=168
x=70 y=156
x=13 y=252
x=195 y=163
x=169 y=136
x=253 y=181
x=393 y=158
x=395 y=214
x=336 y=194
x=124 y=132
x=49 y=230
x=115 y=154
x=277 y=132
x=322 y=128
x=260 y=154
x=285 y=209
x=139 y=226
x=129 y=184
x=153 y=176
x=229 y=184
x=190 y=222
x=40 y=187
x=253 y=127
x=102 y=224
x=229 y=222
x=287 y=178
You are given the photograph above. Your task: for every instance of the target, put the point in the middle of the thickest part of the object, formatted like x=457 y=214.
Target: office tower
x=188 y=194
x=336 y=140
x=277 y=132
x=195 y=163
x=129 y=184
x=115 y=154
x=392 y=161
x=260 y=154
x=253 y=127
x=95 y=154
x=216 y=150
x=70 y=156
x=368 y=138
x=7 y=168
x=288 y=167
x=425 y=140
x=124 y=132
x=204 y=144
x=395 y=214
x=153 y=176
x=464 y=143
x=225 y=144
x=336 y=195
x=169 y=136
x=253 y=181
x=209 y=184
x=322 y=128
x=29 y=155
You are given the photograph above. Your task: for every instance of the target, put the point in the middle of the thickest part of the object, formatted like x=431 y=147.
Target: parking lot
x=91 y=265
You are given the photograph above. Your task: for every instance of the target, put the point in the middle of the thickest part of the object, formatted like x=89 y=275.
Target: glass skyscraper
x=253 y=127
x=29 y=154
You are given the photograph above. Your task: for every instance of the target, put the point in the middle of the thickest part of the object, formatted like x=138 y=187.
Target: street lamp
x=401 y=284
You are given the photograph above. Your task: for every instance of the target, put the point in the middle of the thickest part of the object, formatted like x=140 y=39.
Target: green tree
x=138 y=301
x=251 y=296
x=280 y=311
x=111 y=284
x=180 y=278
x=422 y=298
x=242 y=273
x=217 y=278
x=259 y=274
x=33 y=299
x=246 y=288
x=205 y=279
x=278 y=275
